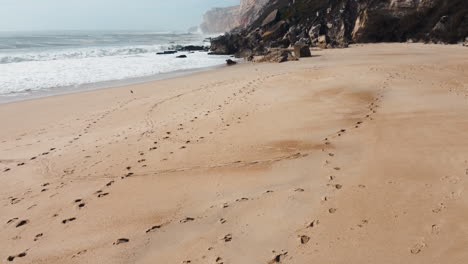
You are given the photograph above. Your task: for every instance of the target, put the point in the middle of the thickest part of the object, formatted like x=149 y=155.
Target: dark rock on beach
x=230 y=62
x=301 y=50
x=194 y=48
x=275 y=55
x=167 y=52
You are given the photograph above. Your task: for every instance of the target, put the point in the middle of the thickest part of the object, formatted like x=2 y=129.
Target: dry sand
x=357 y=155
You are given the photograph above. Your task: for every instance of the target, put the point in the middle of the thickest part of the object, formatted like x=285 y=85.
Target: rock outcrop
x=219 y=20
x=337 y=23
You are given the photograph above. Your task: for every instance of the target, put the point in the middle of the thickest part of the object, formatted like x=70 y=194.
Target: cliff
x=218 y=20
x=336 y=23
x=250 y=10
x=225 y=19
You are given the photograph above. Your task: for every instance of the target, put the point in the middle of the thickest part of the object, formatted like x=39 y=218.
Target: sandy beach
x=356 y=155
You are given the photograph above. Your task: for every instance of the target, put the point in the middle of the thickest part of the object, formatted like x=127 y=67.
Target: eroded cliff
x=218 y=20
x=250 y=10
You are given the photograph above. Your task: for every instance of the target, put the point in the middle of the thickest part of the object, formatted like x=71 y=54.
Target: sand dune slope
x=357 y=155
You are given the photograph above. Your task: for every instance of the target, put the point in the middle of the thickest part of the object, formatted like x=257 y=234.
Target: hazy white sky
x=104 y=14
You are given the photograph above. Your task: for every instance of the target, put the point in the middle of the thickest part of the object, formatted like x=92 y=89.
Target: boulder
x=193 y=48
x=301 y=50
x=230 y=62
x=322 y=41
x=167 y=52
x=276 y=55
x=226 y=44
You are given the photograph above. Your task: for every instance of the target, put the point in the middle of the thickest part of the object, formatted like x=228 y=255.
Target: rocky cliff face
x=250 y=10
x=219 y=20
x=225 y=19
x=336 y=23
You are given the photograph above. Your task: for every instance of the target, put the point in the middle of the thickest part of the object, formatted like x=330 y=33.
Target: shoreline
x=361 y=151
x=5 y=99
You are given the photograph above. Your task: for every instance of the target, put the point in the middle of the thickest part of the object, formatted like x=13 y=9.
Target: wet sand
x=356 y=155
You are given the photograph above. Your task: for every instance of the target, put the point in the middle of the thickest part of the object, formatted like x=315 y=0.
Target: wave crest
x=82 y=53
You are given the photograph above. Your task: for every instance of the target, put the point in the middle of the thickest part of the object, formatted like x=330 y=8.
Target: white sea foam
x=24 y=70
x=80 y=53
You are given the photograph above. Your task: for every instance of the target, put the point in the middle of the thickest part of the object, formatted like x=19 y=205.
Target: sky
x=158 y=15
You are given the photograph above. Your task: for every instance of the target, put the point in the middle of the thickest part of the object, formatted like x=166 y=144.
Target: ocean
x=44 y=63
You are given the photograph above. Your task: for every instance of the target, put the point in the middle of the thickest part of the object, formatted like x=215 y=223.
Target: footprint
x=68 y=220
x=304 y=239
x=12 y=220
x=121 y=241
x=227 y=238
x=439 y=208
x=363 y=222
x=38 y=236
x=20 y=255
x=153 y=228
x=313 y=223
x=278 y=258
x=22 y=223
x=417 y=248
x=79 y=253
x=187 y=219
x=102 y=195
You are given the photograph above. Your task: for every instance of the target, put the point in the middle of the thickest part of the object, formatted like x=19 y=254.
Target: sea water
x=53 y=61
